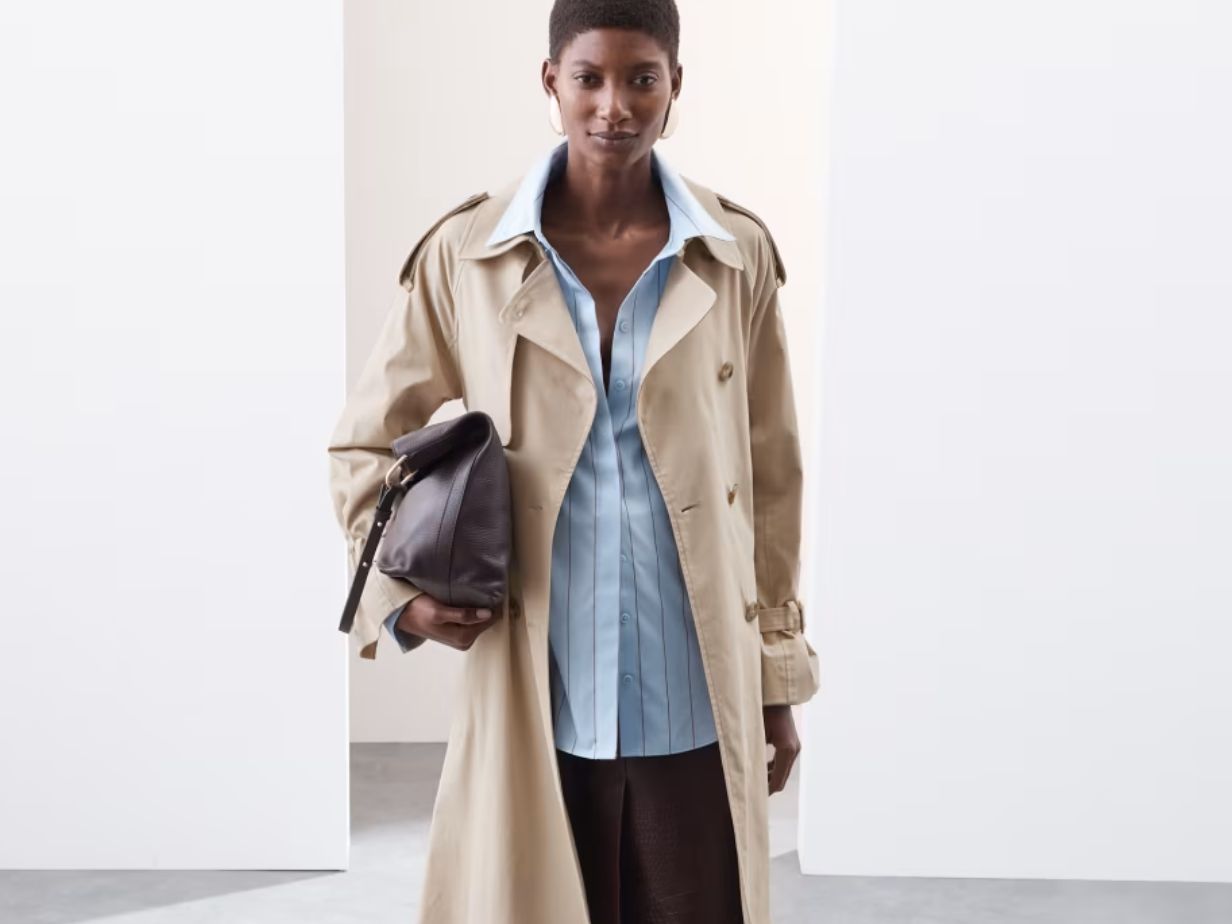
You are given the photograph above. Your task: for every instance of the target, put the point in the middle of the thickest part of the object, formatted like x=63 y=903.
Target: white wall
x=1024 y=586
x=172 y=681
x=438 y=110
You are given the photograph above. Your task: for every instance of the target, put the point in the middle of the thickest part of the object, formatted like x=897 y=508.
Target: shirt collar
x=687 y=216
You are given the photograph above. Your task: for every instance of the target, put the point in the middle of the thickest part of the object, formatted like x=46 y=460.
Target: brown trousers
x=654 y=836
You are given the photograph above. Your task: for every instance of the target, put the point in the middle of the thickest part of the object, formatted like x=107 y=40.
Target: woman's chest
x=523 y=360
x=607 y=280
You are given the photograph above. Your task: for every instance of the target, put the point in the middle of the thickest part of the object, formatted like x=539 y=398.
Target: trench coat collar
x=511 y=214
x=536 y=308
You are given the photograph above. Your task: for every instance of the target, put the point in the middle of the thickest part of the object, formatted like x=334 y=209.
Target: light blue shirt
x=626 y=671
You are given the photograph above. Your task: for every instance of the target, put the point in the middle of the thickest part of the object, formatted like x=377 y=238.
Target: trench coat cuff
x=393 y=594
x=790 y=672
x=381 y=595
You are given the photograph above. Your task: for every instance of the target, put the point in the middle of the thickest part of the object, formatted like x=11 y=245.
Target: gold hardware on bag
x=393 y=468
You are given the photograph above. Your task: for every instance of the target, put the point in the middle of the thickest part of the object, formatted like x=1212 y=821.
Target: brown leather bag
x=452 y=533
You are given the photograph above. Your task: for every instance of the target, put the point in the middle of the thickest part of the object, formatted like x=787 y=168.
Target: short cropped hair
x=657 y=18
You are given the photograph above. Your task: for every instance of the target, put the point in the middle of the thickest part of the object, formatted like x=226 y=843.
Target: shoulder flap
x=408 y=267
x=780 y=271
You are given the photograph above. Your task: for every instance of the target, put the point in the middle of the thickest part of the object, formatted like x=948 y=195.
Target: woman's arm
x=411 y=371
x=789 y=663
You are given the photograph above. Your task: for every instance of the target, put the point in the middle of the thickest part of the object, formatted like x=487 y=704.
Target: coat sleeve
x=410 y=372
x=789 y=663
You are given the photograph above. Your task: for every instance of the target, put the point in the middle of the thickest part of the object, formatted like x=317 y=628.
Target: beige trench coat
x=716 y=413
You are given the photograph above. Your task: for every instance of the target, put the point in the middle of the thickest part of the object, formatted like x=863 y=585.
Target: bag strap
x=384 y=504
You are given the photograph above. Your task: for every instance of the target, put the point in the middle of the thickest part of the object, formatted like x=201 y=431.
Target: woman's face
x=614 y=87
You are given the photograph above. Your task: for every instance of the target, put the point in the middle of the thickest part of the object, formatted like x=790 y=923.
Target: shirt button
x=624 y=325
x=619 y=384
x=624 y=617
x=624 y=557
x=628 y=678
x=725 y=372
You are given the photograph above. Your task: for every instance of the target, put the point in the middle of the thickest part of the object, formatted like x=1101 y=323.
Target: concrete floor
x=394 y=786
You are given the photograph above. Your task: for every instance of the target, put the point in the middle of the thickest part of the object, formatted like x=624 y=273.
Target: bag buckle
x=393 y=468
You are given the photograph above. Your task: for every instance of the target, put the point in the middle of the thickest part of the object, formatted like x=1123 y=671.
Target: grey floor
x=393 y=789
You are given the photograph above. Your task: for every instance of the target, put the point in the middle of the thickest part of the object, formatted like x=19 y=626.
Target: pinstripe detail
x=628 y=524
x=594 y=603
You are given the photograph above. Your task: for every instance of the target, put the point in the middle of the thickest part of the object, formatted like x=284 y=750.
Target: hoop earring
x=554 y=114
x=672 y=119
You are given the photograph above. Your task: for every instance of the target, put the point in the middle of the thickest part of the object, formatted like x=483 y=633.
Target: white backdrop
x=172 y=681
x=1025 y=511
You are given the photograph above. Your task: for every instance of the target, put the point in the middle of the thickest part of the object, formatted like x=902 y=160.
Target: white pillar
x=1023 y=593
x=172 y=681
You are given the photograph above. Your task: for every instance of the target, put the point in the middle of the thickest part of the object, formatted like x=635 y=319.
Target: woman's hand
x=780 y=732
x=457 y=627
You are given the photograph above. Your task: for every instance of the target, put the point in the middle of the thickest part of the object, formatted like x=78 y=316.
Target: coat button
x=725 y=372
x=731 y=494
x=750 y=612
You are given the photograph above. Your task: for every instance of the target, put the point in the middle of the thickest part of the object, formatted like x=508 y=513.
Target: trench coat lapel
x=537 y=311
x=536 y=308
x=686 y=300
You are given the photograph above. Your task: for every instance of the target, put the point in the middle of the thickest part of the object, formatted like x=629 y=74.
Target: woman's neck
x=583 y=197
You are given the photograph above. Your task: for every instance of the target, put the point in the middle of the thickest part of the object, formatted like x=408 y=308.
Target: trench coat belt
x=789 y=616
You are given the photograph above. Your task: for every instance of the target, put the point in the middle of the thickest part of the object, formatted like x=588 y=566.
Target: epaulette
x=780 y=271
x=408 y=267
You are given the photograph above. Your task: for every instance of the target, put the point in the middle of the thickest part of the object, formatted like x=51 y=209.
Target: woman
x=621 y=325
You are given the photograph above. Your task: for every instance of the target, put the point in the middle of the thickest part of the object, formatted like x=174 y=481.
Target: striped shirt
x=626 y=672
